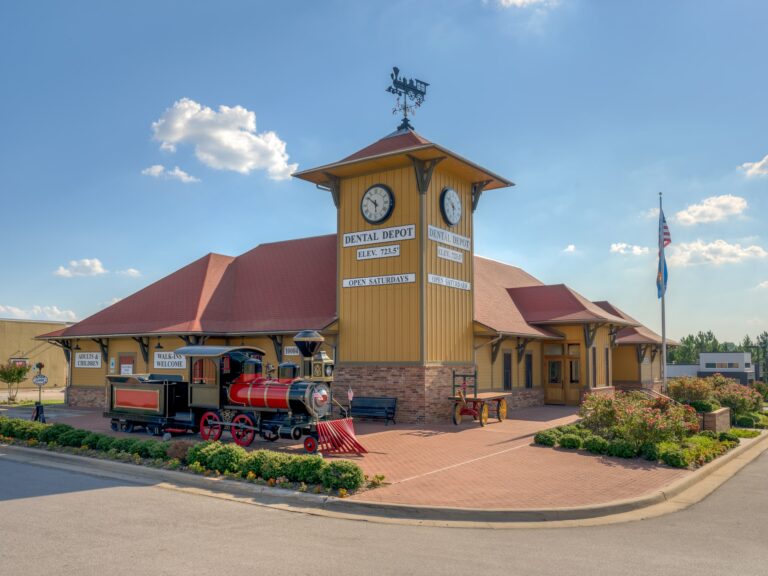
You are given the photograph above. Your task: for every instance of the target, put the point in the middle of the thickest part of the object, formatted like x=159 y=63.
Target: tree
x=13 y=375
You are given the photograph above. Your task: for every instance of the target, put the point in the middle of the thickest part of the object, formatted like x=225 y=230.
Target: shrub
x=21 y=429
x=179 y=449
x=306 y=469
x=709 y=434
x=567 y=429
x=274 y=465
x=125 y=445
x=728 y=437
x=704 y=405
x=690 y=390
x=746 y=421
x=73 y=438
x=570 y=441
x=546 y=438
x=738 y=398
x=598 y=413
x=622 y=448
x=52 y=434
x=762 y=389
x=149 y=449
x=676 y=458
x=342 y=474
x=221 y=457
x=92 y=440
x=596 y=445
x=105 y=443
x=253 y=463
x=650 y=451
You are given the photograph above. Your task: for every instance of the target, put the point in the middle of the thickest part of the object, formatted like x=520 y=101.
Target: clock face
x=450 y=206
x=377 y=204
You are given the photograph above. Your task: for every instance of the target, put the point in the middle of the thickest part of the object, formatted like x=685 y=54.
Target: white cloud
x=570 y=249
x=717 y=252
x=763 y=285
x=84 y=267
x=38 y=313
x=652 y=213
x=132 y=272
x=712 y=209
x=759 y=168
x=160 y=171
x=624 y=248
x=224 y=140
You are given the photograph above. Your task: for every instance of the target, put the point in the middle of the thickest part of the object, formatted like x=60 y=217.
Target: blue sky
x=118 y=164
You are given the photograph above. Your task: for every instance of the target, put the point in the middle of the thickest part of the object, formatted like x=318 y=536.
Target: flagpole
x=663 y=310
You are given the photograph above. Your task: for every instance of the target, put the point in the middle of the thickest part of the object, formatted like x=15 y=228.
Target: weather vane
x=413 y=91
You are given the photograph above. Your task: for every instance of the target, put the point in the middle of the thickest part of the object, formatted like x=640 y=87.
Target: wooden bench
x=375 y=407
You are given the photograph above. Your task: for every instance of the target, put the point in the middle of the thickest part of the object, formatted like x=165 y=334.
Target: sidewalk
x=469 y=466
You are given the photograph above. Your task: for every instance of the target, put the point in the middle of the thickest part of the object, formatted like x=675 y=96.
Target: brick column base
x=86 y=397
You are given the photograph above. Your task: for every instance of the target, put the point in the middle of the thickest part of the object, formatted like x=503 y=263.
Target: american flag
x=665 y=239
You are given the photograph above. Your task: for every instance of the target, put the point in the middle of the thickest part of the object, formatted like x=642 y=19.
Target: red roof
x=395 y=142
x=559 y=304
x=638 y=334
x=493 y=306
x=277 y=287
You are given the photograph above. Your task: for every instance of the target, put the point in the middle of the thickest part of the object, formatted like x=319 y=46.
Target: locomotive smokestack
x=308 y=342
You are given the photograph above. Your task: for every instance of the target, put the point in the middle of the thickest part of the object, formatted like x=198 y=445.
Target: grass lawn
x=23 y=403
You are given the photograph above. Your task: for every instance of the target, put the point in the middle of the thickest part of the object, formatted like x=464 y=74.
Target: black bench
x=375 y=407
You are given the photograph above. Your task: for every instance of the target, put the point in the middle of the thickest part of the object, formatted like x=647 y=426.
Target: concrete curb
x=668 y=499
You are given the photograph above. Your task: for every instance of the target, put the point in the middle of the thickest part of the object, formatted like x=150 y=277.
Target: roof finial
x=414 y=90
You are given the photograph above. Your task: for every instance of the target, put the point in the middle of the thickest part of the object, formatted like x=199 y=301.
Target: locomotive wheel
x=114 y=425
x=501 y=410
x=210 y=426
x=310 y=444
x=126 y=427
x=483 y=414
x=152 y=429
x=242 y=436
x=457 y=414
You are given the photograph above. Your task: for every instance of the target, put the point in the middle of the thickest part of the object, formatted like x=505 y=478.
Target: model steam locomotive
x=229 y=389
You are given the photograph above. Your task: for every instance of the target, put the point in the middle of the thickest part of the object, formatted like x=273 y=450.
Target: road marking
x=459 y=464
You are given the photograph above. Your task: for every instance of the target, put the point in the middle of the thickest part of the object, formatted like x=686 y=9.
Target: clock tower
x=405 y=249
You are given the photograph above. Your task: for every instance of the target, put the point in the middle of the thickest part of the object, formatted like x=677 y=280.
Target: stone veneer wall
x=86 y=397
x=422 y=392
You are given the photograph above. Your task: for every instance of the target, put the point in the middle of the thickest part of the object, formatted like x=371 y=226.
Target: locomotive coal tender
x=229 y=389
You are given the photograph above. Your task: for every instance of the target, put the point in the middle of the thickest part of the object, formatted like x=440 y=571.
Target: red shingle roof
x=493 y=306
x=638 y=334
x=395 y=142
x=559 y=304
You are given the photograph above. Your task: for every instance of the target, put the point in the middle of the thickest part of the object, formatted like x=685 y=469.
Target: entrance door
x=573 y=385
x=554 y=389
x=126 y=362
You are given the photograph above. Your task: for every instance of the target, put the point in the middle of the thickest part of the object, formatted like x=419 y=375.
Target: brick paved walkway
x=469 y=466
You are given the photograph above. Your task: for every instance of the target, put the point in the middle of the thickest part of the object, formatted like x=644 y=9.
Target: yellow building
x=398 y=292
x=18 y=344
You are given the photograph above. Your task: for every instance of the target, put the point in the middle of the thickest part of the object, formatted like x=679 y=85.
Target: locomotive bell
x=308 y=342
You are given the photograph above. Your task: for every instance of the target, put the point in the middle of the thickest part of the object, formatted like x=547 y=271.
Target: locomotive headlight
x=329 y=370
x=321 y=399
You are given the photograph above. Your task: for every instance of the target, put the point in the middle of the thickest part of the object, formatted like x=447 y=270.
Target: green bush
x=21 y=429
x=709 y=434
x=704 y=405
x=105 y=443
x=73 y=438
x=342 y=474
x=762 y=389
x=689 y=389
x=570 y=441
x=728 y=437
x=650 y=451
x=306 y=469
x=546 y=438
x=253 y=463
x=622 y=448
x=676 y=458
x=596 y=445
x=738 y=398
x=567 y=429
x=746 y=421
x=149 y=449
x=275 y=465
x=221 y=457
x=92 y=440
x=52 y=434
x=126 y=445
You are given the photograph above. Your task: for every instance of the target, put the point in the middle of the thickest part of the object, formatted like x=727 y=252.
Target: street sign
x=40 y=380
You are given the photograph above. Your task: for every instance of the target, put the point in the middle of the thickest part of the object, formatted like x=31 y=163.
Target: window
x=507 y=371
x=747 y=365
x=733 y=364
x=710 y=365
x=607 y=366
x=574 y=371
x=529 y=370
x=553 y=349
x=573 y=349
